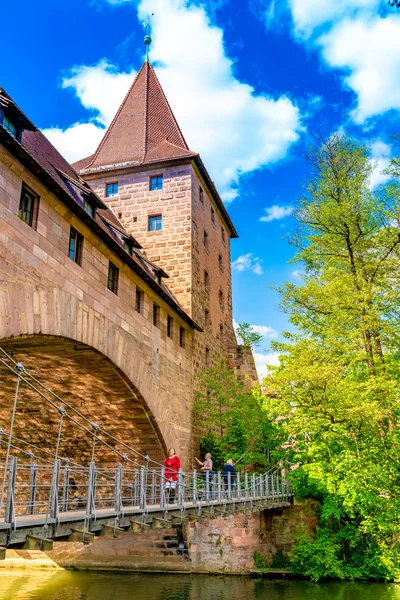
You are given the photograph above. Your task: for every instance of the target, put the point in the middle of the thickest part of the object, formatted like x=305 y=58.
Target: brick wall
x=43 y=292
x=179 y=247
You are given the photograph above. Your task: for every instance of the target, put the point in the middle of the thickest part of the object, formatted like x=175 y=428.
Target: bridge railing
x=50 y=490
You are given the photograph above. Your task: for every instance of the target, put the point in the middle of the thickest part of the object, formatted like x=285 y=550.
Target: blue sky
x=249 y=82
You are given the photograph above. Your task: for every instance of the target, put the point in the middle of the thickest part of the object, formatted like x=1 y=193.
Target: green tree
x=247 y=335
x=336 y=390
x=231 y=419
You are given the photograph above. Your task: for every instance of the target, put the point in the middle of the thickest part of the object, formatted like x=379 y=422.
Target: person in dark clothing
x=229 y=481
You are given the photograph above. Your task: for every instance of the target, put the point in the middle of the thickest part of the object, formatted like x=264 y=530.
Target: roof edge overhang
x=25 y=158
x=181 y=160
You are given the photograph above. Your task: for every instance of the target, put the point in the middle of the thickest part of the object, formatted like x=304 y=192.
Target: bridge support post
x=10 y=502
x=195 y=486
x=91 y=494
x=238 y=486
x=143 y=502
x=180 y=489
x=53 y=499
x=136 y=488
x=65 y=494
x=162 y=489
x=208 y=486
x=32 y=488
x=153 y=488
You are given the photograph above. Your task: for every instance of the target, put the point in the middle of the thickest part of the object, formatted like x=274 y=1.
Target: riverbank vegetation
x=336 y=391
x=332 y=406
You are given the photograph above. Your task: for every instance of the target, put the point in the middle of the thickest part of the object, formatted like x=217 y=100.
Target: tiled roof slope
x=144 y=129
x=144 y=132
x=46 y=163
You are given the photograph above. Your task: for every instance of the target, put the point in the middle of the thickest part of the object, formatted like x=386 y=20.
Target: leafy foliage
x=230 y=415
x=336 y=391
x=246 y=334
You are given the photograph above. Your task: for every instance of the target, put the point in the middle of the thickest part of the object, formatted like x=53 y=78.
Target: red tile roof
x=143 y=131
x=36 y=153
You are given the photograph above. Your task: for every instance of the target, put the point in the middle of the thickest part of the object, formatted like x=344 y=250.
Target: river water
x=69 y=585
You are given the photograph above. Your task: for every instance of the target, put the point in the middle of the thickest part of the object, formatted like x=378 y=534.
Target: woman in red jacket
x=172 y=465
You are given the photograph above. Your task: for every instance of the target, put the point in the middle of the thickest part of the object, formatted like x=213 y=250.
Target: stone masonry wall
x=169 y=248
x=214 y=546
x=228 y=545
x=179 y=247
x=43 y=292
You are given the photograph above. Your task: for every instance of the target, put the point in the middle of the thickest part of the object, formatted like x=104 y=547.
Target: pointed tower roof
x=143 y=131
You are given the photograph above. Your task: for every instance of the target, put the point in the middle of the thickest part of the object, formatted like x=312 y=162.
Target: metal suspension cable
x=99 y=428
x=38 y=382
x=124 y=457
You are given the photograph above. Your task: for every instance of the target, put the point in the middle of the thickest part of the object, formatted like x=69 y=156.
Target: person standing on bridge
x=172 y=465
x=228 y=479
x=206 y=465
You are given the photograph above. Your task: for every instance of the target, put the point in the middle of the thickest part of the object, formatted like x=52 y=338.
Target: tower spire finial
x=147 y=38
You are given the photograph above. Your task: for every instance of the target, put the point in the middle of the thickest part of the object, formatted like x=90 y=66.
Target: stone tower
x=163 y=195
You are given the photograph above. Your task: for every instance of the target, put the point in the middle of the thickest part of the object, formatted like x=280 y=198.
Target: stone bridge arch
x=90 y=383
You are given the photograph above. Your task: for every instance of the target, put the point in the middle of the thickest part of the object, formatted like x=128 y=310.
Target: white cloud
x=235 y=130
x=362 y=39
x=297 y=274
x=100 y=88
x=308 y=15
x=369 y=51
x=248 y=262
x=265 y=331
x=381 y=153
x=263 y=361
x=77 y=141
x=276 y=212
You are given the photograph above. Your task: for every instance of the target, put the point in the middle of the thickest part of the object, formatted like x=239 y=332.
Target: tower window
x=139 y=301
x=155 y=223
x=220 y=262
x=170 y=327
x=182 y=340
x=111 y=189
x=212 y=216
x=156 y=183
x=206 y=317
x=205 y=240
x=28 y=207
x=113 y=273
x=221 y=299
x=75 y=246
x=201 y=194
x=223 y=234
x=9 y=126
x=206 y=280
x=156 y=315
x=207 y=357
x=221 y=331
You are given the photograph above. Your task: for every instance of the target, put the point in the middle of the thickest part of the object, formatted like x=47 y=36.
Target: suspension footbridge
x=46 y=496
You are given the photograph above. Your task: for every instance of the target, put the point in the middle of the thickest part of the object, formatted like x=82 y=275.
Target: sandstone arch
x=91 y=383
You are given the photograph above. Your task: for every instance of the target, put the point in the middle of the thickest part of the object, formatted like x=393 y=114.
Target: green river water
x=69 y=585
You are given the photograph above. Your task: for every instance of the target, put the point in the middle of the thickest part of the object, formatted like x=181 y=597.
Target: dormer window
x=9 y=126
x=89 y=208
x=128 y=247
